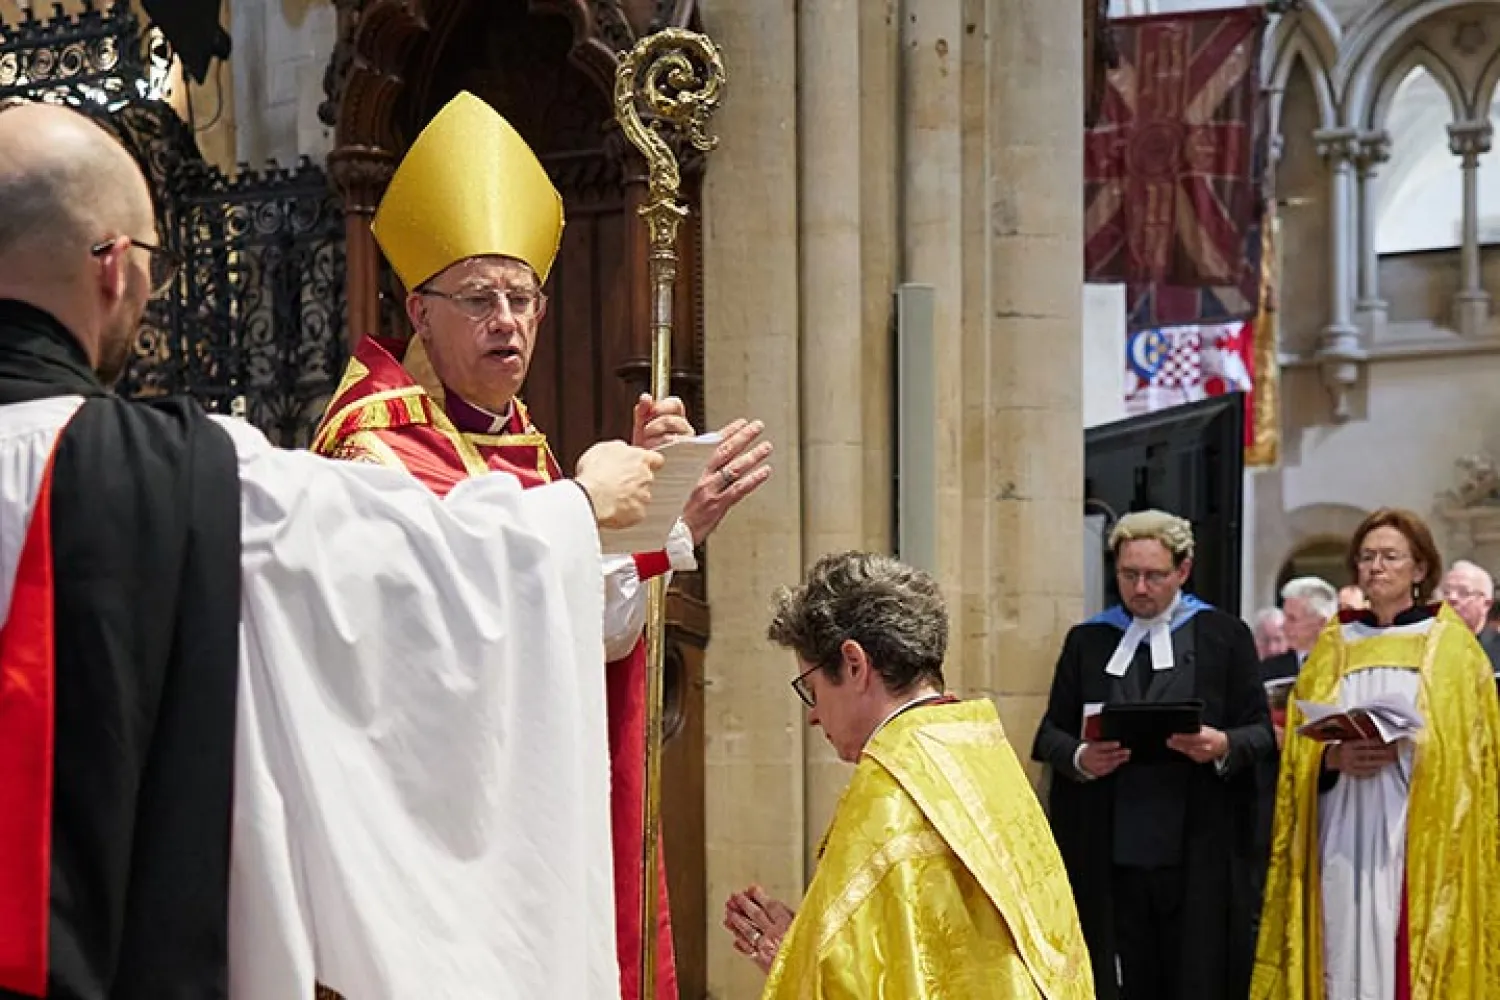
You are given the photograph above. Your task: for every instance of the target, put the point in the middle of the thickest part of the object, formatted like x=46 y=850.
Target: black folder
x=1144 y=727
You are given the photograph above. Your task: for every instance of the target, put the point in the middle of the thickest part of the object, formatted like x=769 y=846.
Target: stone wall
x=928 y=141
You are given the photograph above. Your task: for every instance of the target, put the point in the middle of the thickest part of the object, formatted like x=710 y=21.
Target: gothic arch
x=1373 y=44
x=1301 y=47
x=1308 y=523
x=1489 y=79
x=1417 y=56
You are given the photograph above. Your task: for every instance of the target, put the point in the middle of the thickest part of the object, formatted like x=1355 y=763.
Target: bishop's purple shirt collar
x=471 y=419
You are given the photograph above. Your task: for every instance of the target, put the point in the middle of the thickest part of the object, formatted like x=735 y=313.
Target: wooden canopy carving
x=389 y=56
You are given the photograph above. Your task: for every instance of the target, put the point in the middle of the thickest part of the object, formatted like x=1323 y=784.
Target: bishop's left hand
x=737 y=470
x=1203 y=747
x=656 y=423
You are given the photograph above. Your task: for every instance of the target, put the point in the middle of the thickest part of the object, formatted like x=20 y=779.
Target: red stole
x=26 y=734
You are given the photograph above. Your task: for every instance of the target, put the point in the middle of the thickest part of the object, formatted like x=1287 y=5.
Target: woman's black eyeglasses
x=164 y=263
x=804 y=690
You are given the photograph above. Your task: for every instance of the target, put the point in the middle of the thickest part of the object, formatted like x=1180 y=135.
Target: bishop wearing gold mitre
x=472 y=224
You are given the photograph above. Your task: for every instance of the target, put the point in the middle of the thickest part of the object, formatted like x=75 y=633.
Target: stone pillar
x=755 y=728
x=829 y=170
x=1340 y=351
x=1032 y=469
x=932 y=230
x=1374 y=149
x=1471 y=304
x=880 y=150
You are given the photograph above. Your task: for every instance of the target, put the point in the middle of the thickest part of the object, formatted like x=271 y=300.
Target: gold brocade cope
x=1453 y=820
x=468 y=187
x=939 y=877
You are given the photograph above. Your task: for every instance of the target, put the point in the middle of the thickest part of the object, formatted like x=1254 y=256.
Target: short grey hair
x=895 y=612
x=1174 y=532
x=1265 y=616
x=1486 y=582
x=1320 y=595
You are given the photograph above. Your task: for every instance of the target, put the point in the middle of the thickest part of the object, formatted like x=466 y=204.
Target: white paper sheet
x=686 y=458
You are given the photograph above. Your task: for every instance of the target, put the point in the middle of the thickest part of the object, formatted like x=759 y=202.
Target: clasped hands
x=758 y=924
x=1360 y=758
x=1203 y=747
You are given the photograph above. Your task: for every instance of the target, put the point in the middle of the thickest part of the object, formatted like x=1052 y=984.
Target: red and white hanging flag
x=1169 y=366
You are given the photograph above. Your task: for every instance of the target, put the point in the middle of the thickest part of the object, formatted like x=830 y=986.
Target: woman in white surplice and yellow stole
x=1385 y=859
x=938 y=877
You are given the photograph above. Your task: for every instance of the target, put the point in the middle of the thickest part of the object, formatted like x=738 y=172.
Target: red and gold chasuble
x=381 y=414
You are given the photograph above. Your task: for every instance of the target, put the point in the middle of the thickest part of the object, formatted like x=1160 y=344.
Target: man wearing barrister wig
x=471 y=224
x=1159 y=841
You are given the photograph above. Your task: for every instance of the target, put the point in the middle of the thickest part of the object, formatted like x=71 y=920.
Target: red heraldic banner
x=1169 y=185
x=26 y=733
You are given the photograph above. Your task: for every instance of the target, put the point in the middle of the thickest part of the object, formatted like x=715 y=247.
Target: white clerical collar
x=498 y=422
x=929 y=696
x=1157 y=630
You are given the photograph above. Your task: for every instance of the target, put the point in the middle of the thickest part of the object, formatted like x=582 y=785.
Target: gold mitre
x=468 y=187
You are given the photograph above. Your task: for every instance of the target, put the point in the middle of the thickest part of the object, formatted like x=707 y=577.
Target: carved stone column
x=1471 y=305
x=1370 y=311
x=361 y=174
x=1339 y=350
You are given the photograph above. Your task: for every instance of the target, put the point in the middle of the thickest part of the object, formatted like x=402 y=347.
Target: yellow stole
x=1453 y=820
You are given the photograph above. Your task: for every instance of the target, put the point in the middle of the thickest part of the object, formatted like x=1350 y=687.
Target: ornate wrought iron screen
x=255 y=323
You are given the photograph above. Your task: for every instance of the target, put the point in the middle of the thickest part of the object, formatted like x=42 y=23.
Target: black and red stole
x=118 y=673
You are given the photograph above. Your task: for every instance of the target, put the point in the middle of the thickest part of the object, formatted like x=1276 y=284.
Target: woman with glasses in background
x=1382 y=851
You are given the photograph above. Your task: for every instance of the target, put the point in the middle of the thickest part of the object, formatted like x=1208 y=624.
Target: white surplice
x=422 y=773
x=1362 y=837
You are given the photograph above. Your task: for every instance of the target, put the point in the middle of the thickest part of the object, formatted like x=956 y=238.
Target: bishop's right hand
x=617 y=478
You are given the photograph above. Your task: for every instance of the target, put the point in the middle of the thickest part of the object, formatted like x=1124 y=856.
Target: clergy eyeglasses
x=164 y=263
x=804 y=690
x=479 y=304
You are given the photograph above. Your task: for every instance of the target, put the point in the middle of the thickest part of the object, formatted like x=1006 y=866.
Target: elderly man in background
x=1269 y=629
x=1470 y=592
x=1307 y=603
x=937 y=877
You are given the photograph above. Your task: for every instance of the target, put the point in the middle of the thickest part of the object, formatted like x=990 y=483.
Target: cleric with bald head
x=249 y=698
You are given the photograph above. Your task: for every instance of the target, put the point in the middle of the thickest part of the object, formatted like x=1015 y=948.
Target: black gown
x=1215 y=662
x=127 y=606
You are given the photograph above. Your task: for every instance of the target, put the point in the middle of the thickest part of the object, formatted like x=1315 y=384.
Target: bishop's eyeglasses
x=164 y=263
x=479 y=304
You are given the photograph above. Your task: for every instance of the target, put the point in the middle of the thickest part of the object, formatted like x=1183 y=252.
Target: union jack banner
x=1170 y=191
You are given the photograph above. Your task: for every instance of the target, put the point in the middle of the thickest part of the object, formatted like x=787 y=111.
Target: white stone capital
x=1470 y=140
x=1374 y=149
x=1340 y=146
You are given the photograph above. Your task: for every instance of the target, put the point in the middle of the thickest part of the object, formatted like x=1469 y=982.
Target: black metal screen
x=255 y=323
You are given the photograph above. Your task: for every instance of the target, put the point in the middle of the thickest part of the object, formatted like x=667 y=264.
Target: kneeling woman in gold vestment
x=938 y=876
x=1383 y=853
